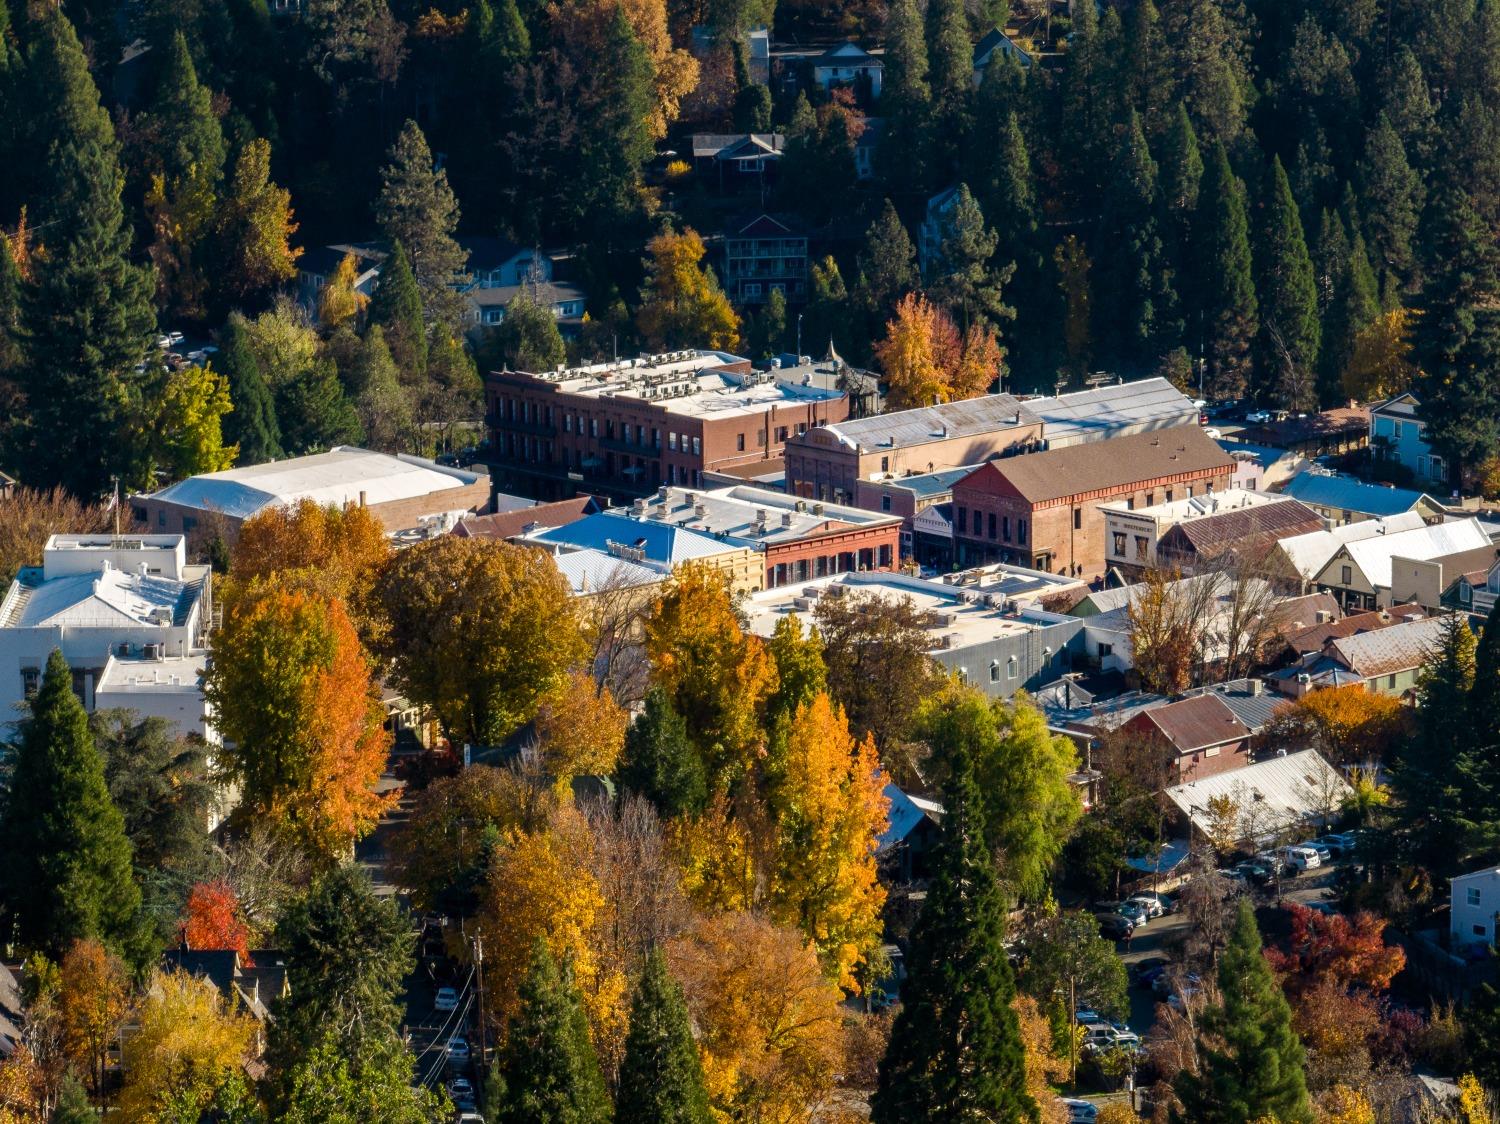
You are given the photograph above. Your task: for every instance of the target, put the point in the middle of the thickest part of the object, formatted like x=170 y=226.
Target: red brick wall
x=870 y=548
x=1196 y=766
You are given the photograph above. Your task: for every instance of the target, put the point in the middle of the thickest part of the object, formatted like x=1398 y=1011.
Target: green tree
x=887 y=265
x=661 y=1078
x=1208 y=52
x=552 y=1074
x=501 y=39
x=527 y=339
x=1391 y=198
x=906 y=97
x=379 y=399
x=1134 y=302
x=964 y=276
x=768 y=327
x=660 y=761
x=952 y=55
x=335 y=1050
x=1255 y=1069
x=1353 y=305
x=1068 y=965
x=1227 y=311
x=252 y=424
x=397 y=308
x=1408 y=106
x=1457 y=340
x=253 y=230
x=10 y=314
x=68 y=875
x=417 y=208
x=1287 y=298
x=827 y=317
x=313 y=412
x=955 y=1050
x=1481 y=1024
x=62 y=103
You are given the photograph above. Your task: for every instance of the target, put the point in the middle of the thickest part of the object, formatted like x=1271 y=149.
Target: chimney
x=361 y=497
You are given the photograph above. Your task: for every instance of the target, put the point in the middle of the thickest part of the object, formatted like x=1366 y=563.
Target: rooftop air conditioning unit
x=806 y=604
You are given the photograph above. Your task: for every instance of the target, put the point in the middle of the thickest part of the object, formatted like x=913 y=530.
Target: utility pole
x=479 y=979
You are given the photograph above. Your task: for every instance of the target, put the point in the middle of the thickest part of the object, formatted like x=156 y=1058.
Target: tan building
x=1424 y=581
x=1186 y=532
x=1360 y=573
x=827 y=463
x=1044 y=510
x=653 y=544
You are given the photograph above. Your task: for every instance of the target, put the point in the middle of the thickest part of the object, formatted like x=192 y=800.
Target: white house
x=848 y=64
x=1475 y=908
x=130 y=616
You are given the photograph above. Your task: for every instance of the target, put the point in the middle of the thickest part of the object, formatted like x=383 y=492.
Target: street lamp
x=799 y=338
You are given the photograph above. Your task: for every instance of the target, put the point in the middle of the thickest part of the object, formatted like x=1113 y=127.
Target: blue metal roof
x=1351 y=495
x=661 y=543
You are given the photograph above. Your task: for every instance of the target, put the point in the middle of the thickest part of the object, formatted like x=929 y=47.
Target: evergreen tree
x=67 y=875
x=189 y=139
x=660 y=762
x=501 y=39
x=1258 y=1072
x=1181 y=169
x=1392 y=199
x=379 y=399
x=952 y=56
x=1084 y=129
x=1354 y=304
x=61 y=107
x=1287 y=348
x=887 y=265
x=1481 y=1023
x=1484 y=717
x=1408 y=106
x=1147 y=77
x=1134 y=304
x=397 y=308
x=551 y=1072
x=661 y=1078
x=1208 y=55
x=826 y=321
x=617 y=142
x=314 y=413
x=1429 y=777
x=906 y=98
x=1457 y=341
x=417 y=208
x=252 y=424
x=10 y=311
x=73 y=1104
x=768 y=327
x=962 y=273
x=1227 y=312
x=955 y=1050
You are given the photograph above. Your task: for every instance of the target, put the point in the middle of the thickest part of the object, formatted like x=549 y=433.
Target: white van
x=1301 y=858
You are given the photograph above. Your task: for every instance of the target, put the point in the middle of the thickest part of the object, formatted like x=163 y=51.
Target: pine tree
x=397 y=308
x=1226 y=291
x=1147 y=78
x=618 y=141
x=379 y=399
x=1135 y=304
x=887 y=265
x=501 y=39
x=10 y=310
x=551 y=1072
x=62 y=108
x=660 y=762
x=1354 y=304
x=67 y=875
x=955 y=1050
x=1258 y=1072
x=252 y=424
x=1457 y=341
x=962 y=273
x=191 y=142
x=952 y=58
x=1408 y=106
x=1209 y=52
x=906 y=97
x=1181 y=178
x=1287 y=348
x=1484 y=715
x=314 y=413
x=1084 y=130
x=1392 y=199
x=417 y=208
x=1430 y=772
x=661 y=1078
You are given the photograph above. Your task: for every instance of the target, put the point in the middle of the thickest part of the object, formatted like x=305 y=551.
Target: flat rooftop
x=171 y=675
x=1199 y=507
x=1091 y=415
x=956 y=620
x=906 y=428
x=705 y=384
x=343 y=475
x=1016 y=582
x=747 y=516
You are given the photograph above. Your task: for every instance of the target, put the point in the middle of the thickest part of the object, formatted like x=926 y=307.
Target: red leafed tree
x=1334 y=947
x=212 y=920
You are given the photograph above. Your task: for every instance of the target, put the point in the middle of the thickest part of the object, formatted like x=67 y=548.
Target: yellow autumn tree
x=717 y=676
x=22 y=1085
x=1043 y=1066
x=1345 y=723
x=914 y=354
x=769 y=1022
x=580 y=728
x=980 y=363
x=1380 y=365
x=541 y=886
x=717 y=856
x=829 y=807
x=1343 y=1105
x=93 y=997
x=682 y=304
x=188 y=430
x=340 y=301
x=188 y=1046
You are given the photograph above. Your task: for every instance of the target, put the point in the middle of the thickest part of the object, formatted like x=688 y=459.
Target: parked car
x=458 y=1050
x=1259 y=871
x=1098 y=1037
x=1114 y=926
x=1258 y=417
x=1301 y=859
x=460 y=1088
x=1325 y=852
x=468 y=1118
x=446 y=999
x=1327 y=909
x=1154 y=904
x=1080 y=1112
x=1339 y=843
x=1134 y=911
x=1238 y=883
x=1087 y=1016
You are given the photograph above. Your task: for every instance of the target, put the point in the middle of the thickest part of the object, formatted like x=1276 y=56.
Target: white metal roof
x=1373 y=555
x=1295 y=786
x=1107 y=411
x=108 y=599
x=1309 y=553
x=343 y=475
x=589 y=571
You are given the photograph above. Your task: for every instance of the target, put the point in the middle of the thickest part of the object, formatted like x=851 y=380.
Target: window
x=655 y=438
x=1346 y=575
x=885 y=464
x=697 y=445
x=189 y=524
x=1129 y=503
x=1078 y=519
x=781 y=435
x=609 y=428
x=1472 y=895
x=1390 y=681
x=1106 y=650
x=31 y=678
x=1119 y=546
x=885 y=503
x=1140 y=548
x=994 y=671
x=739 y=442
x=567 y=423
x=1012 y=667
x=593 y=427
x=672 y=441
x=992 y=526
x=1005 y=527
x=962 y=513
x=1021 y=531
x=1169 y=495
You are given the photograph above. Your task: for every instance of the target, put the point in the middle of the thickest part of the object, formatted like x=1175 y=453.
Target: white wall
x=1473 y=922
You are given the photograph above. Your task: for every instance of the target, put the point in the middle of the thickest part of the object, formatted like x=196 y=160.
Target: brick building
x=796 y=539
x=1201 y=736
x=828 y=463
x=624 y=429
x=1043 y=510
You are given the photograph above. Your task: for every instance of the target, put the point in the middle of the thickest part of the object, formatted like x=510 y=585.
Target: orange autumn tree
x=926 y=361
x=829 y=806
x=1337 y=949
x=580 y=728
x=682 y=304
x=212 y=919
x=291 y=688
x=1346 y=723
